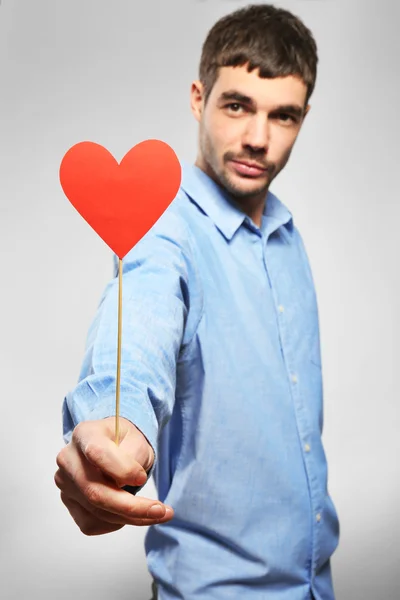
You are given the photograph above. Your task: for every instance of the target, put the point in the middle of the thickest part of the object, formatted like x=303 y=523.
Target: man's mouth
x=248 y=168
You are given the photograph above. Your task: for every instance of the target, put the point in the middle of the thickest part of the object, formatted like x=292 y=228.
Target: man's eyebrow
x=294 y=109
x=235 y=96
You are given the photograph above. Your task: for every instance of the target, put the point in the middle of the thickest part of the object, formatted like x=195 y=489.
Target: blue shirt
x=221 y=371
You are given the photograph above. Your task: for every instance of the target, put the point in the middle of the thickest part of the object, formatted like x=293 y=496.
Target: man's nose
x=257 y=133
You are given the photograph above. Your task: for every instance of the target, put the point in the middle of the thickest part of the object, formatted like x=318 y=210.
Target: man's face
x=247 y=128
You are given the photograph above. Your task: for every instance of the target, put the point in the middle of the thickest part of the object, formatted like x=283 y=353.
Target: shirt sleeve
x=159 y=286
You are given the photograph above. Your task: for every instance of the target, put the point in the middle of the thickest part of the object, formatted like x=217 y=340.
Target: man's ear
x=197 y=99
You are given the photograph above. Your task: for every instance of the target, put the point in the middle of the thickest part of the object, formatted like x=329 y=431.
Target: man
x=221 y=387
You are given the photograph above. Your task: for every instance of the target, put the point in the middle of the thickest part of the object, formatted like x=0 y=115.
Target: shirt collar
x=218 y=205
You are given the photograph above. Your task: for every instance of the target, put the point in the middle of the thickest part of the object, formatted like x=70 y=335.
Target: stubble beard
x=222 y=177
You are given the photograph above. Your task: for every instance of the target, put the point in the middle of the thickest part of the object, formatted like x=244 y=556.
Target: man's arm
x=158 y=280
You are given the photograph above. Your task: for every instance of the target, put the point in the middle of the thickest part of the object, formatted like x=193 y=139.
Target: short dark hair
x=266 y=37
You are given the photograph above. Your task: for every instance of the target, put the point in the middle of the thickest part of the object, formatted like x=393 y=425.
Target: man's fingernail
x=156 y=511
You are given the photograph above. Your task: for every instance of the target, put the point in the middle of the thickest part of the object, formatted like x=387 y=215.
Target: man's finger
x=101 y=493
x=86 y=521
x=69 y=491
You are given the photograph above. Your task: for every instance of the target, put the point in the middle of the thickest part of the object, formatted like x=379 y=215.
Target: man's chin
x=245 y=186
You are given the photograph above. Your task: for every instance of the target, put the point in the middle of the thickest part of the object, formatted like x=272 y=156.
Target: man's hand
x=92 y=469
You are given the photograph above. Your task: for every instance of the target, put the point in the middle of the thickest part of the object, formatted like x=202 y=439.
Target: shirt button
x=318 y=517
x=307 y=448
x=294 y=378
x=280 y=308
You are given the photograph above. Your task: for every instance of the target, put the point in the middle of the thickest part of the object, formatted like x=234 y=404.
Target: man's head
x=257 y=73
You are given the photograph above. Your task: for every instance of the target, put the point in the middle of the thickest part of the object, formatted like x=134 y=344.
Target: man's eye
x=286 y=118
x=234 y=106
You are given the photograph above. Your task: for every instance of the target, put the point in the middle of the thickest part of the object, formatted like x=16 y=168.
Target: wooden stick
x=118 y=352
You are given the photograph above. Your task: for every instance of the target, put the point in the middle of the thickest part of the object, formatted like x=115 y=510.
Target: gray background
x=120 y=72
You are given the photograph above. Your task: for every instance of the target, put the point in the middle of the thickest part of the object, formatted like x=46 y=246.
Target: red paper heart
x=121 y=202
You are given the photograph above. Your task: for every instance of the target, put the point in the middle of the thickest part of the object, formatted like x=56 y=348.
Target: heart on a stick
x=121 y=201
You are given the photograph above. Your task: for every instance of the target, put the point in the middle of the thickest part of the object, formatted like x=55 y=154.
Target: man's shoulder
x=174 y=228
x=178 y=220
